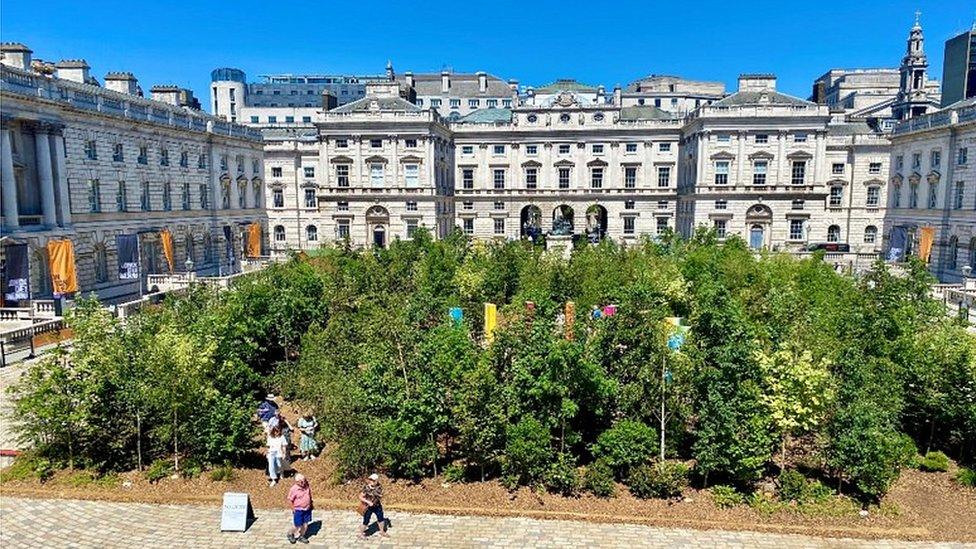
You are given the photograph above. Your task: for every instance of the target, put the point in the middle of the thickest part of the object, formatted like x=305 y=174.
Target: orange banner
x=61 y=260
x=167 y=239
x=570 y=320
x=254 y=240
x=925 y=240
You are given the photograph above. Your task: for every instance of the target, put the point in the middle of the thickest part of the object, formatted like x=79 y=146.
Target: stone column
x=64 y=194
x=45 y=175
x=10 y=210
x=248 y=186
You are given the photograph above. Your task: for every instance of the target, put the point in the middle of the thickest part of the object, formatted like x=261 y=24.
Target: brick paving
x=75 y=523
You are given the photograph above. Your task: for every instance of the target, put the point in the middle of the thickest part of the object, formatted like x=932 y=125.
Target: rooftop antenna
x=918 y=15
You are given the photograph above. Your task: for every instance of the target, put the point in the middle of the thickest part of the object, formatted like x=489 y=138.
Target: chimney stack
x=482 y=81
x=757 y=82
x=166 y=94
x=618 y=96
x=445 y=81
x=408 y=77
x=329 y=100
x=122 y=82
x=75 y=70
x=601 y=94
x=16 y=55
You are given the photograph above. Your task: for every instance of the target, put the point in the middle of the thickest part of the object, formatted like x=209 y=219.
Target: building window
x=468 y=225
x=473 y=103
x=630 y=148
x=143 y=157
x=870 y=234
x=410 y=143
x=411 y=174
x=720 y=227
x=467 y=149
x=799 y=172
x=722 y=172
x=225 y=195
x=629 y=224
x=312 y=233
x=254 y=120
x=376 y=175
x=935 y=159
x=596 y=178
x=202 y=162
x=467 y=205
x=899 y=162
x=933 y=198
x=962 y=156
x=164 y=157
x=874 y=168
x=723 y=138
x=310 y=200
x=204 y=196
x=913 y=195
x=185 y=195
x=499 y=223
x=278 y=198
x=630 y=177
x=167 y=196
x=342 y=143
x=916 y=161
x=91 y=150
x=833 y=233
x=272 y=120
x=306 y=120
x=597 y=149
x=411 y=228
x=874 y=196
x=531 y=150
x=797 y=204
x=628 y=204
x=375 y=143
x=121 y=200
x=663 y=176
x=664 y=147
x=342 y=206
x=721 y=204
x=257 y=193
x=498 y=205
x=94 y=196
x=759 y=172
x=342 y=175
x=662 y=225
x=564 y=148
x=762 y=138
x=836 y=196
x=563 y=178
x=101 y=264
x=467 y=178
x=896 y=194
x=662 y=204
x=411 y=206
x=342 y=229
x=145 y=200
x=184 y=159
x=498 y=178
x=531 y=178
x=800 y=138
x=492 y=103
x=796 y=229
x=960 y=192
x=279 y=233
x=289 y=120
x=498 y=149
x=118 y=154
x=309 y=171
x=276 y=171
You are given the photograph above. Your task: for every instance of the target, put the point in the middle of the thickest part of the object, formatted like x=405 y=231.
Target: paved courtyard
x=74 y=523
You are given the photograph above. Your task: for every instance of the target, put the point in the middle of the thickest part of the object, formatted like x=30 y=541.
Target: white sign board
x=237 y=512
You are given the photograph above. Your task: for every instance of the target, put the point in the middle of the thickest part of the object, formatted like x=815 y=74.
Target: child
x=300 y=498
x=307 y=445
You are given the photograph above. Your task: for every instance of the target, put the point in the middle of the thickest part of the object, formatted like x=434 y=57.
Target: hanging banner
x=491 y=321
x=570 y=321
x=925 y=240
x=896 y=247
x=128 y=248
x=254 y=240
x=229 y=245
x=64 y=279
x=166 y=238
x=677 y=332
x=18 y=272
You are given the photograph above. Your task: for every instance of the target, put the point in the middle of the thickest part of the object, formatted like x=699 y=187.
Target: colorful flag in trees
x=570 y=319
x=491 y=321
x=254 y=240
x=457 y=315
x=166 y=238
x=925 y=240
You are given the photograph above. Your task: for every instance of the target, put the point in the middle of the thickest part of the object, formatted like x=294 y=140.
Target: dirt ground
x=920 y=506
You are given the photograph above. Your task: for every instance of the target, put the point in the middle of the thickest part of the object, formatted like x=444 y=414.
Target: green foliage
x=454 y=472
x=966 y=477
x=222 y=473
x=159 y=470
x=26 y=466
x=527 y=453
x=763 y=503
x=726 y=496
x=934 y=462
x=626 y=445
x=792 y=486
x=598 y=479
x=563 y=477
x=662 y=479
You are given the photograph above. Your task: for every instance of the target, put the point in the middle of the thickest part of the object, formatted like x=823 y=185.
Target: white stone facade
x=89 y=163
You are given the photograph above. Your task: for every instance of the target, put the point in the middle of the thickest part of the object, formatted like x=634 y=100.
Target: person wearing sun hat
x=371 y=503
x=267 y=410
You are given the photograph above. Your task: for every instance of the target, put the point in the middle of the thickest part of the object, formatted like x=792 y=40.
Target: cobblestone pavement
x=74 y=523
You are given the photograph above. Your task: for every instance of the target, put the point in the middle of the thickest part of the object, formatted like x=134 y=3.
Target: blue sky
x=535 y=42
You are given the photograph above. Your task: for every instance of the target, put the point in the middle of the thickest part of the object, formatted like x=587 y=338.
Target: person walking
x=300 y=498
x=286 y=433
x=371 y=503
x=307 y=445
x=267 y=410
x=277 y=447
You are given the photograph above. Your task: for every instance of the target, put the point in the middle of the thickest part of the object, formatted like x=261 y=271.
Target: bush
x=159 y=470
x=527 y=453
x=817 y=492
x=966 y=477
x=763 y=503
x=792 y=486
x=598 y=480
x=27 y=466
x=563 y=476
x=84 y=479
x=934 y=462
x=454 y=472
x=224 y=473
x=190 y=468
x=726 y=497
x=664 y=479
x=625 y=445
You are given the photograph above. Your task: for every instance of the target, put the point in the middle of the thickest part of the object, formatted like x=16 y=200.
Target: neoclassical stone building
x=86 y=162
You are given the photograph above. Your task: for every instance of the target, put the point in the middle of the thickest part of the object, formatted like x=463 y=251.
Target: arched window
x=279 y=233
x=312 y=233
x=870 y=234
x=951 y=253
x=208 y=251
x=833 y=233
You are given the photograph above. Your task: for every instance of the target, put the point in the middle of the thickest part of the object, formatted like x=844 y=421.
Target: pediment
x=723 y=155
x=596 y=162
x=565 y=163
x=799 y=155
x=531 y=164
x=376 y=159
x=761 y=154
x=411 y=158
x=341 y=159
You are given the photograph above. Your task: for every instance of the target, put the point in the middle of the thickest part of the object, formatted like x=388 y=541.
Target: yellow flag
x=925 y=240
x=254 y=240
x=570 y=315
x=167 y=239
x=491 y=321
x=61 y=260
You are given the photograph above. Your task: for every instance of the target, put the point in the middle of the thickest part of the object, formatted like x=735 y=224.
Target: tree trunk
x=139 y=439
x=176 y=444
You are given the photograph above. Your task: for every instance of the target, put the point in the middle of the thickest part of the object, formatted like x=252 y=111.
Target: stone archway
x=596 y=223
x=377 y=226
x=562 y=220
x=530 y=221
x=759 y=218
